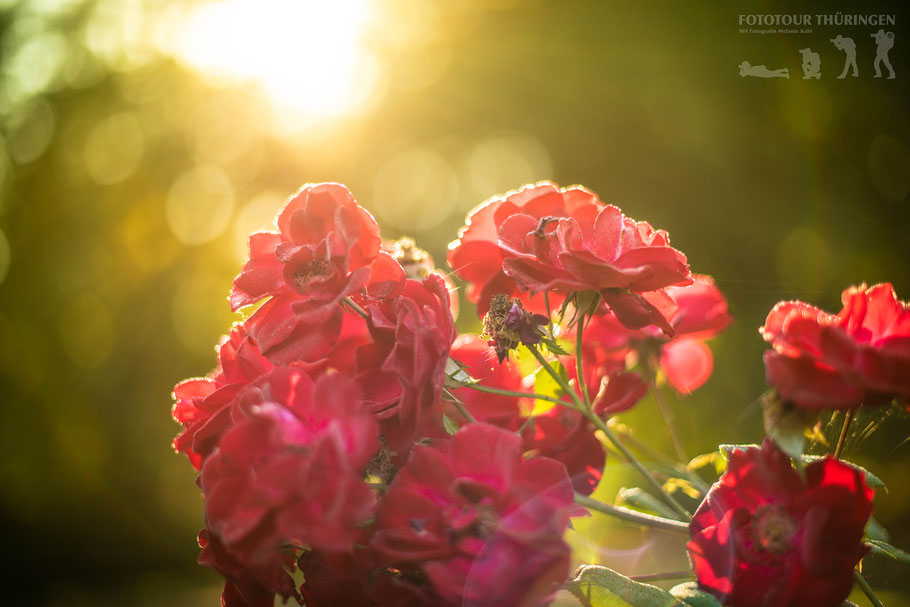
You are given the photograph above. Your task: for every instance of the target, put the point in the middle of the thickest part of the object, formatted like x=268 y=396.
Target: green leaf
x=449 y=424
x=690 y=594
x=886 y=549
x=457 y=375
x=598 y=586
x=554 y=347
x=871 y=480
x=712 y=459
x=639 y=499
x=875 y=531
x=546 y=385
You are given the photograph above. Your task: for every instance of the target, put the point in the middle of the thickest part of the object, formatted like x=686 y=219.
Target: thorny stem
x=867 y=589
x=640 y=518
x=595 y=419
x=666 y=412
x=841 y=441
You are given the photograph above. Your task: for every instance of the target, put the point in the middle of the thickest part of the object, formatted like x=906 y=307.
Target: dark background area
x=129 y=179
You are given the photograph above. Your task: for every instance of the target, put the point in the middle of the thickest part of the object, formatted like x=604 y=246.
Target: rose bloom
x=288 y=473
x=201 y=404
x=323 y=252
x=543 y=238
x=763 y=536
x=859 y=356
x=481 y=524
x=402 y=372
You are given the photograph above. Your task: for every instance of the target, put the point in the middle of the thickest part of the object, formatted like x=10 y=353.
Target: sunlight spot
x=306 y=55
x=415 y=190
x=504 y=162
x=113 y=148
x=199 y=205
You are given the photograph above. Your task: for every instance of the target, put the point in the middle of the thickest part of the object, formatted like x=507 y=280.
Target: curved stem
x=842 y=440
x=631 y=516
x=638 y=465
x=867 y=589
x=595 y=419
x=503 y=392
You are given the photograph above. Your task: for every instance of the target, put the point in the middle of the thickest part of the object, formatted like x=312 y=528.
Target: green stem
x=579 y=331
x=867 y=589
x=667 y=414
x=595 y=419
x=502 y=392
x=350 y=303
x=638 y=465
x=461 y=408
x=562 y=383
x=657 y=577
x=631 y=516
x=644 y=447
x=842 y=440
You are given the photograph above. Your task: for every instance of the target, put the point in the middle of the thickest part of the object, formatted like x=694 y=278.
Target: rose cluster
x=354 y=449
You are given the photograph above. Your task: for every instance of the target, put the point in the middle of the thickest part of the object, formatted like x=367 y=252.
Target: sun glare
x=307 y=55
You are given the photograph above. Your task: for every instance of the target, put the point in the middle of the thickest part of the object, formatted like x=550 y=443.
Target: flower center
x=315 y=267
x=416 y=262
x=487 y=520
x=773 y=529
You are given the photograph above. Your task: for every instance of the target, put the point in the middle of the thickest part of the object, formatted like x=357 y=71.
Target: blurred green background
x=141 y=141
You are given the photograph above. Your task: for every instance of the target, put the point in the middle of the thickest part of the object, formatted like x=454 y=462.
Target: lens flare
x=305 y=55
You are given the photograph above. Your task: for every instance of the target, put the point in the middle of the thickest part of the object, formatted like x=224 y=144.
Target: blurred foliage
x=129 y=181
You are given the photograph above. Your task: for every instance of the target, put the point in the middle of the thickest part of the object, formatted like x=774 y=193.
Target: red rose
x=324 y=252
x=764 y=536
x=289 y=471
x=860 y=356
x=202 y=404
x=324 y=236
x=402 y=372
x=568 y=437
x=242 y=586
x=483 y=524
x=542 y=238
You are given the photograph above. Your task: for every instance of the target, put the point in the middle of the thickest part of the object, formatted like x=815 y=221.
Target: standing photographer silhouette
x=849 y=47
x=884 y=42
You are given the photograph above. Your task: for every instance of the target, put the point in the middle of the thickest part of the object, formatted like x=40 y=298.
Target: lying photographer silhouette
x=884 y=43
x=812 y=64
x=849 y=47
x=760 y=71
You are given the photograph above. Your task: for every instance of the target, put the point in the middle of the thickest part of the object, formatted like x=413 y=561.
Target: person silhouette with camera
x=884 y=43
